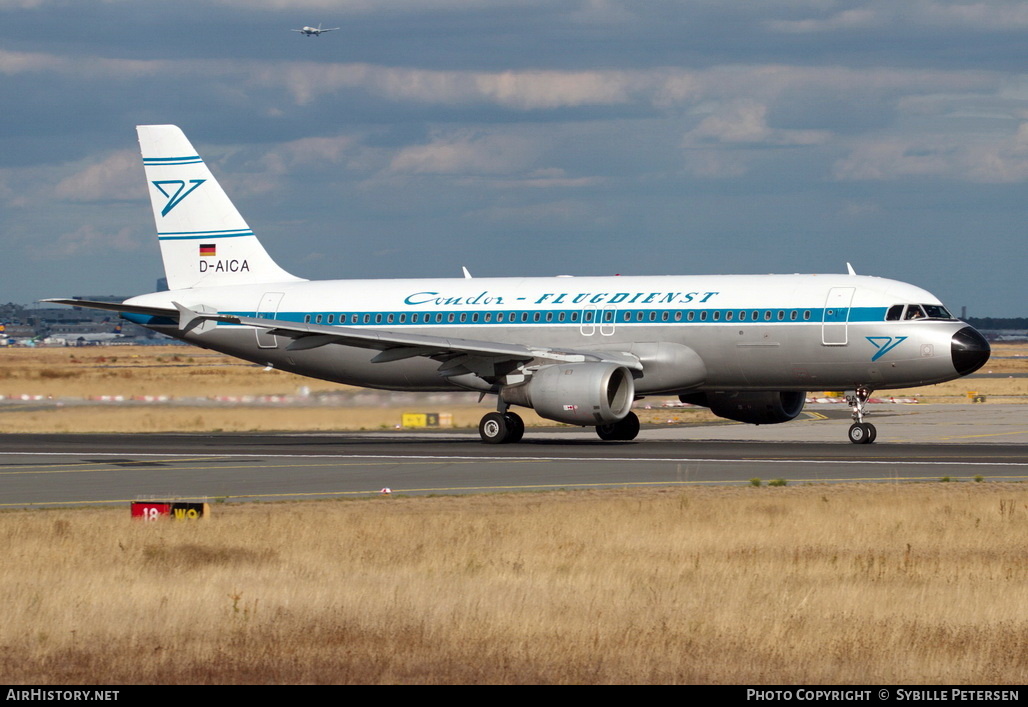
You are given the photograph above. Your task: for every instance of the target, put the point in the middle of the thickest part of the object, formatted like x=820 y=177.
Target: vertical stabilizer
x=204 y=241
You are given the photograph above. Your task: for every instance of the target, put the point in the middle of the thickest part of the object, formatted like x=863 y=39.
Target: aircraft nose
x=970 y=351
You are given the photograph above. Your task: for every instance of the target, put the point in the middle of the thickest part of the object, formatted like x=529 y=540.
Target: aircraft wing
x=458 y=356
x=115 y=307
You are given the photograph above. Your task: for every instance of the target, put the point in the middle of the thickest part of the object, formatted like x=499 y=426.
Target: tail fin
x=204 y=241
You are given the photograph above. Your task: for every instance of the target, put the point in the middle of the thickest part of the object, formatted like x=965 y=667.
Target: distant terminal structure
x=50 y=326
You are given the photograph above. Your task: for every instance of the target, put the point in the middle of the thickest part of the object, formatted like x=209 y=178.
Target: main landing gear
x=860 y=432
x=624 y=430
x=501 y=428
x=507 y=427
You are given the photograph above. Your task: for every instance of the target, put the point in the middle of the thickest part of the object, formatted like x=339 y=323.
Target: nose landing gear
x=860 y=432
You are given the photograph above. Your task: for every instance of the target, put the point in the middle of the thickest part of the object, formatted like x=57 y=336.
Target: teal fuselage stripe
x=576 y=317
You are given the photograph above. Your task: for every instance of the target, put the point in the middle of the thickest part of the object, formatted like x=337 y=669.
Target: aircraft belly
x=341 y=364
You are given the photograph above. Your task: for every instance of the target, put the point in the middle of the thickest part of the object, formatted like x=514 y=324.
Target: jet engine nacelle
x=577 y=393
x=755 y=408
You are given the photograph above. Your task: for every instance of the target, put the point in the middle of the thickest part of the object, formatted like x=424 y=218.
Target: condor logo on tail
x=178 y=193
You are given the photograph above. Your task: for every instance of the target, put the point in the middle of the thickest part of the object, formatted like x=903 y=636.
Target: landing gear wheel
x=624 y=430
x=862 y=433
x=515 y=427
x=493 y=428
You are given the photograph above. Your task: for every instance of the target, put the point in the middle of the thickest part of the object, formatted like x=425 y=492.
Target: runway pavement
x=914 y=443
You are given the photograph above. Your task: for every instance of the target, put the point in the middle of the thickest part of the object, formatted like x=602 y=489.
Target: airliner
x=314 y=31
x=577 y=350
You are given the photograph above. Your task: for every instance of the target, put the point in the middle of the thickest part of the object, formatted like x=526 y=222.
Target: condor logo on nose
x=885 y=344
x=176 y=191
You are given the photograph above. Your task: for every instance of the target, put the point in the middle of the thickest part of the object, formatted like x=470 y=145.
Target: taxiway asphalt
x=915 y=443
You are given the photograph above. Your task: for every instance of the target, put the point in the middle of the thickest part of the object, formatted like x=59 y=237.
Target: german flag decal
x=207 y=249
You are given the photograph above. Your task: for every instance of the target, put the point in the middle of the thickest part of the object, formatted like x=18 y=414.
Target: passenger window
x=717 y=316
x=678 y=316
x=306 y=319
x=767 y=316
x=742 y=316
x=560 y=316
x=449 y=317
x=403 y=319
x=367 y=318
x=806 y=315
x=703 y=316
x=378 y=319
x=692 y=316
x=389 y=319
x=463 y=317
x=781 y=315
x=664 y=316
x=728 y=316
x=317 y=319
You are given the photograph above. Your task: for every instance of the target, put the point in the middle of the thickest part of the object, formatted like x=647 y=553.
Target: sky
x=582 y=137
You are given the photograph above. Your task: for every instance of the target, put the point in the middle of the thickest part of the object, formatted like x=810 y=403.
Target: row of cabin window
x=604 y=316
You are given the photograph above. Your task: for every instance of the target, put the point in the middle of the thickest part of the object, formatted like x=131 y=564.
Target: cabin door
x=268 y=309
x=834 y=329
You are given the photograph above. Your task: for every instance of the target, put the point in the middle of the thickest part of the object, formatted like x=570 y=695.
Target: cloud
x=862 y=18
x=90 y=240
x=921 y=15
x=119 y=175
x=545 y=213
x=745 y=121
x=467 y=151
x=985 y=159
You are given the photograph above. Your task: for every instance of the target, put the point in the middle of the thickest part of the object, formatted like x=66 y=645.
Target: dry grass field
x=891 y=584
x=188 y=374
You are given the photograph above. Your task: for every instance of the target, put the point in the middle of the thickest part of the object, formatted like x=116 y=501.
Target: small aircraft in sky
x=577 y=350
x=314 y=31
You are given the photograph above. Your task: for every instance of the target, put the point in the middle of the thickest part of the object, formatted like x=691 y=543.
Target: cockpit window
x=911 y=312
x=937 y=311
x=914 y=311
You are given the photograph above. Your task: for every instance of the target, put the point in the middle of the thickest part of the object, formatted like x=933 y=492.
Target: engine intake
x=756 y=408
x=576 y=393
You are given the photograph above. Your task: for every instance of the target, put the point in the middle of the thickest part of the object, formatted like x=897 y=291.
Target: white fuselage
x=750 y=332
